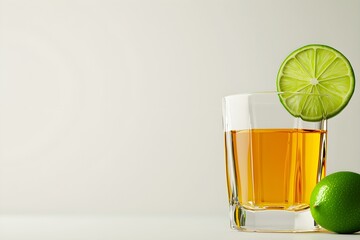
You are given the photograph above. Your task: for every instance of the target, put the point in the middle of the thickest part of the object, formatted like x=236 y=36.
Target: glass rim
x=273 y=93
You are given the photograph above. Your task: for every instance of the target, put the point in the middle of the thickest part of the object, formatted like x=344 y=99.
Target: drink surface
x=274 y=168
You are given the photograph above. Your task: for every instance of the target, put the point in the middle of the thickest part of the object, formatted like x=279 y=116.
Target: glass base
x=272 y=220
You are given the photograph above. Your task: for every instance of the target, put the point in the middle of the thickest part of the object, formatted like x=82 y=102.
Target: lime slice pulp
x=318 y=80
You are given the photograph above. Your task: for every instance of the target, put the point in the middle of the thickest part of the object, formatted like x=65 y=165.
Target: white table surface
x=27 y=227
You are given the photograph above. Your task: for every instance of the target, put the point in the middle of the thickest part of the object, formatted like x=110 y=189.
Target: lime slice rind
x=319 y=70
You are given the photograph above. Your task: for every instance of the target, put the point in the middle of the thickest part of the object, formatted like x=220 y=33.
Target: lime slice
x=318 y=80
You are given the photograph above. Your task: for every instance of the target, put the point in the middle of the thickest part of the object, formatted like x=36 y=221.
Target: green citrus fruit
x=335 y=202
x=321 y=71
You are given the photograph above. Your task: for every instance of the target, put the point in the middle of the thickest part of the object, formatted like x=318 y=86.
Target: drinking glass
x=273 y=162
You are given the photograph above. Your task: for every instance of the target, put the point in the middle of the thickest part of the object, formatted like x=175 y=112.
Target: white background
x=115 y=106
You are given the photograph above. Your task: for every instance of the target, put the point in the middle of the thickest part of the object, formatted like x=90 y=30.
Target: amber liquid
x=275 y=168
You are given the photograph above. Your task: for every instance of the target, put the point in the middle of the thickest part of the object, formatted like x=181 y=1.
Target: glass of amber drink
x=273 y=162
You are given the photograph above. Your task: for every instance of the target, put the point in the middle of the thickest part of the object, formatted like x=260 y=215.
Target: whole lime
x=335 y=202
